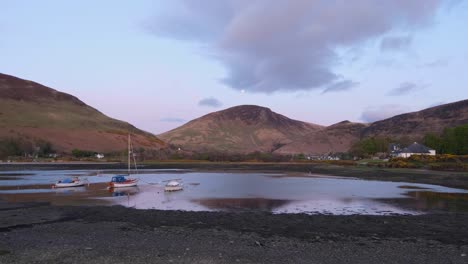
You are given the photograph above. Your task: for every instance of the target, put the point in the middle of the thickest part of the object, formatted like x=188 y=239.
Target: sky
x=159 y=64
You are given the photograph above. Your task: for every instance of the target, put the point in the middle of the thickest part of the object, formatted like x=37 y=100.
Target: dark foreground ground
x=39 y=233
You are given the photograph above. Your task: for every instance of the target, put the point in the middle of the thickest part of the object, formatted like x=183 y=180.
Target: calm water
x=214 y=191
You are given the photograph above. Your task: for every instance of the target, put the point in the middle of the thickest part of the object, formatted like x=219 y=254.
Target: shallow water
x=216 y=191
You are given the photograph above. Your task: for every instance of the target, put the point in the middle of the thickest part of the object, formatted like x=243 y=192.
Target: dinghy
x=69 y=182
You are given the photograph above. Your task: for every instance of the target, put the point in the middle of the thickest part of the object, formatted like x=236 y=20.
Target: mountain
x=335 y=138
x=415 y=125
x=239 y=129
x=31 y=111
x=249 y=128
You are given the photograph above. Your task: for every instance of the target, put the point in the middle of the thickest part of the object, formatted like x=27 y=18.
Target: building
x=99 y=156
x=413 y=149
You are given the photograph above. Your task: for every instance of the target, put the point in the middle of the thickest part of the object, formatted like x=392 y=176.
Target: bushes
x=452 y=141
x=77 y=153
x=370 y=146
x=21 y=147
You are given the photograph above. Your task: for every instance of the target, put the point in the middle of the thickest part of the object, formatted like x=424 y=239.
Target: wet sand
x=40 y=233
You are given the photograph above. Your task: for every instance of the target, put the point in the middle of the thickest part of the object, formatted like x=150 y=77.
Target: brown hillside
x=239 y=129
x=35 y=112
x=417 y=124
x=250 y=128
x=335 y=138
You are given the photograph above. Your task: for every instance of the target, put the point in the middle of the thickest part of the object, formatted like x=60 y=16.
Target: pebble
x=463 y=255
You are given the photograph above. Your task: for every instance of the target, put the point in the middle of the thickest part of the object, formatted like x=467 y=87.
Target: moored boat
x=121 y=181
x=69 y=182
x=173 y=185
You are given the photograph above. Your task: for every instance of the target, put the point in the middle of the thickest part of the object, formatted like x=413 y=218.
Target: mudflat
x=40 y=233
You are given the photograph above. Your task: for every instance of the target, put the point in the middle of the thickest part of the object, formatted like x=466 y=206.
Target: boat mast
x=129 y=152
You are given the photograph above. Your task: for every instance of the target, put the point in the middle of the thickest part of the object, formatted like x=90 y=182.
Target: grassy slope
x=69 y=126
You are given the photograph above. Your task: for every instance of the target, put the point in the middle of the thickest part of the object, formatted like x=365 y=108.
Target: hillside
x=415 y=125
x=249 y=128
x=335 y=138
x=239 y=129
x=31 y=111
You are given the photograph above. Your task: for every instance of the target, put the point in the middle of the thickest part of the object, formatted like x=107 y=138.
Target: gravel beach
x=40 y=233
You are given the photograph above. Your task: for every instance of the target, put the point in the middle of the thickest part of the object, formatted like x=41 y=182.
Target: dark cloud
x=211 y=102
x=172 y=120
x=395 y=43
x=405 y=88
x=376 y=113
x=284 y=45
x=340 y=86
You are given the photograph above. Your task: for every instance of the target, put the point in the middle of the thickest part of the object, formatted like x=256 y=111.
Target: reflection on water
x=430 y=201
x=242 y=203
x=277 y=193
x=124 y=191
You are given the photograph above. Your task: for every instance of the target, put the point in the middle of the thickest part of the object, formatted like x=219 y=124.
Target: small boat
x=120 y=181
x=173 y=185
x=69 y=182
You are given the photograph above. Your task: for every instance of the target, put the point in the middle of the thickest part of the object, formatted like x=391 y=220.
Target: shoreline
x=443 y=178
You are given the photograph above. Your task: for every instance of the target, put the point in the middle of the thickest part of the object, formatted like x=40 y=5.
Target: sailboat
x=120 y=181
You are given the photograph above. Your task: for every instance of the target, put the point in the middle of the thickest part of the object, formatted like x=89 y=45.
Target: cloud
x=172 y=120
x=436 y=63
x=282 y=45
x=405 y=88
x=395 y=43
x=211 y=102
x=376 y=113
x=340 y=86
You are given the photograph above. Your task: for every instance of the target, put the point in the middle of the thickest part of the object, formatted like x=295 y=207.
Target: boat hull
x=68 y=185
x=173 y=188
x=123 y=184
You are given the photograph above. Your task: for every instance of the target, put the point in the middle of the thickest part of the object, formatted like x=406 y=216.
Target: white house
x=415 y=149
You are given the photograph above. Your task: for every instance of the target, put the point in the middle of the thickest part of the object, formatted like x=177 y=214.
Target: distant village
x=395 y=150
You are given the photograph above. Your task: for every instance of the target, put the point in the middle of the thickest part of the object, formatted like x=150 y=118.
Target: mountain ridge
x=312 y=138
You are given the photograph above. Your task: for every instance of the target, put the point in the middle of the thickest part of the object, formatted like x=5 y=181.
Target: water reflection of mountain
x=426 y=200
x=241 y=203
x=432 y=201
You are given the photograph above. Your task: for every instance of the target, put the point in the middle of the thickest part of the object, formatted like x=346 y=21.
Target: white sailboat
x=120 y=181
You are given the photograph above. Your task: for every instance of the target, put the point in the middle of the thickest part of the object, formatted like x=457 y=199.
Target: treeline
x=21 y=147
x=376 y=145
x=452 y=141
